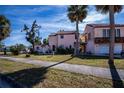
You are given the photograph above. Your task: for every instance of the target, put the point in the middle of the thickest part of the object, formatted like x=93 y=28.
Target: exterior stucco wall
x=90 y=43
x=66 y=41
x=98 y=31
x=53 y=41
x=43 y=49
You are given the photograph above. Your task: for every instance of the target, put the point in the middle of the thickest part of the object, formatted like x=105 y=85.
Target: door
x=118 y=48
x=104 y=49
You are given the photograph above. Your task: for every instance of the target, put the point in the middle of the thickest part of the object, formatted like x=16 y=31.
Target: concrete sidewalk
x=116 y=74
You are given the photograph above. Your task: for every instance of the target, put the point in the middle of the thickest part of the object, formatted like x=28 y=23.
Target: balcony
x=99 y=40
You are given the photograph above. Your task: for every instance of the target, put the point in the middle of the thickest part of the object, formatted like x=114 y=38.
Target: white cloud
x=61 y=21
x=16 y=39
x=57 y=22
x=94 y=16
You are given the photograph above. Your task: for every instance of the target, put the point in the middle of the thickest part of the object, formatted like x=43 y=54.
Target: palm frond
x=105 y=8
x=77 y=11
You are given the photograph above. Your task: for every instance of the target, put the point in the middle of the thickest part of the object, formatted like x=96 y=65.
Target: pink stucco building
x=62 y=39
x=97 y=38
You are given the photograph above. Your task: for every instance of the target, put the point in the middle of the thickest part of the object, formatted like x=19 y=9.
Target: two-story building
x=62 y=39
x=97 y=38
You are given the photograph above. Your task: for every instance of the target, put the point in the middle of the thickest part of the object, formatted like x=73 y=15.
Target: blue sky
x=51 y=18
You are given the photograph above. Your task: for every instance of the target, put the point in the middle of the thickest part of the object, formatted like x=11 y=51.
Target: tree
x=16 y=49
x=32 y=34
x=21 y=47
x=4 y=27
x=76 y=13
x=111 y=9
x=2 y=45
x=45 y=41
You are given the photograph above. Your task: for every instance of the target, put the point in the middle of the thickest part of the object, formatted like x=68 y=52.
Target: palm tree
x=111 y=9
x=4 y=27
x=76 y=13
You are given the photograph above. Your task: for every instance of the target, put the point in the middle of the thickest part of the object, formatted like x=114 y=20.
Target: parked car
x=122 y=53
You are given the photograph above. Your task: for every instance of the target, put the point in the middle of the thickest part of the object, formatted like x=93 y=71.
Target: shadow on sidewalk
x=60 y=62
x=117 y=82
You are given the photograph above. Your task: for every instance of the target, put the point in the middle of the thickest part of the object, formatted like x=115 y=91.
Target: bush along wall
x=61 y=50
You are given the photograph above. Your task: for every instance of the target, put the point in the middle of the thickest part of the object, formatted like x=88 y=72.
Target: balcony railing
x=98 y=40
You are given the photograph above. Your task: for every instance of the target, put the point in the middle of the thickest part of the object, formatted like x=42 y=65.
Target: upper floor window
x=106 y=32
x=61 y=36
x=117 y=33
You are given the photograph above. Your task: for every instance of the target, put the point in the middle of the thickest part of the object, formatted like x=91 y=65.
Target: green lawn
x=2 y=53
x=34 y=76
x=82 y=60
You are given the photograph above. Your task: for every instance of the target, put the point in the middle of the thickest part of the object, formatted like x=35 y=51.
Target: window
x=106 y=32
x=117 y=33
x=53 y=47
x=75 y=36
x=70 y=47
x=38 y=48
x=74 y=44
x=61 y=36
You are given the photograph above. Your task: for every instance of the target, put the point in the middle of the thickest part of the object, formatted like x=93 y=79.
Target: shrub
x=14 y=50
x=27 y=55
x=61 y=50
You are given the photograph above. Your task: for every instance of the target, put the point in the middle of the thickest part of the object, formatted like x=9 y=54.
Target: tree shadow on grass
x=28 y=77
x=94 y=57
x=91 y=57
x=32 y=76
x=117 y=82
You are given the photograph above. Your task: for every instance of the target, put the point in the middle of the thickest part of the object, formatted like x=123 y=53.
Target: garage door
x=104 y=48
x=118 y=48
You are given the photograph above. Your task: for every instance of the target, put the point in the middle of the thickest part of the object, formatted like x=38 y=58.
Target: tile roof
x=104 y=25
x=62 y=32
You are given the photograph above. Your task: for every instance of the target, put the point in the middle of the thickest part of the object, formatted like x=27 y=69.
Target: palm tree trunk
x=77 y=37
x=112 y=33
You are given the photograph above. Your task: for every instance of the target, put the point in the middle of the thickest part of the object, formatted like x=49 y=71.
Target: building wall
x=38 y=48
x=99 y=48
x=104 y=47
x=67 y=40
x=90 y=43
x=98 y=31
x=42 y=49
x=53 y=41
